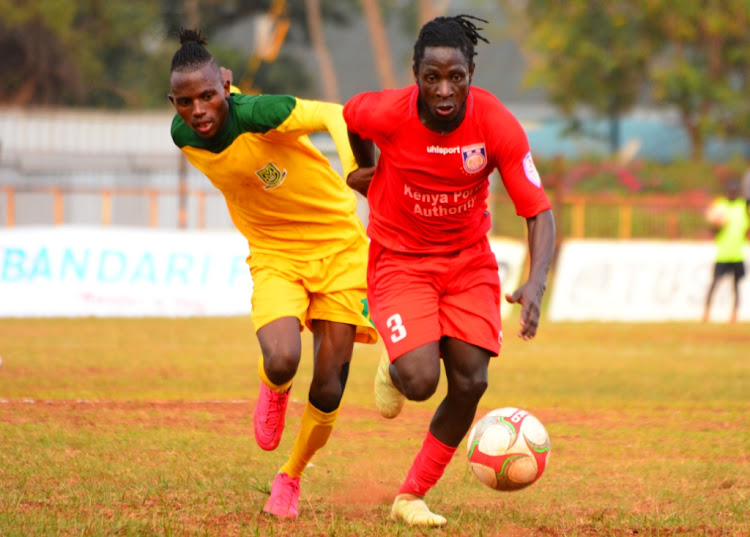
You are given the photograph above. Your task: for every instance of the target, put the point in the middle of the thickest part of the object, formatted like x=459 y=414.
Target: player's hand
x=529 y=295
x=360 y=178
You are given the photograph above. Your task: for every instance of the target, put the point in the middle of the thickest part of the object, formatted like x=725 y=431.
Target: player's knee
x=419 y=388
x=478 y=387
x=470 y=389
x=281 y=365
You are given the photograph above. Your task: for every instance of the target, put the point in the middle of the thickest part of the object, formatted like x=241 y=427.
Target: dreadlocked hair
x=457 y=32
x=192 y=54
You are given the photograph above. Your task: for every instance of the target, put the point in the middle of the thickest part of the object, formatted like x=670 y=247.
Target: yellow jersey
x=281 y=191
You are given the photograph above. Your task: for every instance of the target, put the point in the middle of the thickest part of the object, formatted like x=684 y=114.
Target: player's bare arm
x=360 y=178
x=541 y=232
x=364 y=154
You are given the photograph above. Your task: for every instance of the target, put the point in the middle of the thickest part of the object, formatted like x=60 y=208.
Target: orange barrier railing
x=106 y=196
x=577 y=216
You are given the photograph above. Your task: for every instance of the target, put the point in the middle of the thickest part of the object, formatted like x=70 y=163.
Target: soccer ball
x=508 y=449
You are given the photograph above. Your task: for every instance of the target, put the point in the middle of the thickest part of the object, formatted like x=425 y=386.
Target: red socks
x=428 y=466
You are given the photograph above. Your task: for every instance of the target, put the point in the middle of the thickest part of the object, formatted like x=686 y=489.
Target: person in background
x=729 y=220
x=433 y=283
x=308 y=248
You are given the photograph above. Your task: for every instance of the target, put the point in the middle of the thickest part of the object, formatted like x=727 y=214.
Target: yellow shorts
x=331 y=289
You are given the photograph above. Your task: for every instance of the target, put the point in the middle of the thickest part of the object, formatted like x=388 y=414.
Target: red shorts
x=418 y=299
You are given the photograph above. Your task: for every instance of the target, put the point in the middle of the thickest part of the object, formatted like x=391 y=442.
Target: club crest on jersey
x=475 y=157
x=271 y=175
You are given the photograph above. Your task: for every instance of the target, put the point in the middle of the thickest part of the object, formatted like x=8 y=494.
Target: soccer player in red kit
x=433 y=283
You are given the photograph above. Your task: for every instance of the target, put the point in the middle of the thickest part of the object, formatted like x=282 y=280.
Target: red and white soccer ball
x=508 y=449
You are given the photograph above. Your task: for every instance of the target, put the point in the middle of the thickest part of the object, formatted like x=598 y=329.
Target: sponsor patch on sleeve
x=530 y=170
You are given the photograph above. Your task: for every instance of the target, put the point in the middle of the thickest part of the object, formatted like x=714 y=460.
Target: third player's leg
x=466 y=369
x=333 y=344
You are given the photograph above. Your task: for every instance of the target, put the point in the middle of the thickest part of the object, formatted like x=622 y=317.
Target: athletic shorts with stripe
x=418 y=299
x=332 y=289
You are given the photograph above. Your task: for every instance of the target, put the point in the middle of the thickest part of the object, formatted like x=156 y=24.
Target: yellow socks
x=314 y=432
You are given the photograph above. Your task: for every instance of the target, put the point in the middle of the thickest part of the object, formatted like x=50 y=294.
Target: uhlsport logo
x=475 y=157
x=271 y=175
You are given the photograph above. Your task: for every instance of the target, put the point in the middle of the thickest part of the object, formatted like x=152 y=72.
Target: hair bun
x=191 y=36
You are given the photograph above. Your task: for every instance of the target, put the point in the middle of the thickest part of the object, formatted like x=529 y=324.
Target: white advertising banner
x=81 y=271
x=640 y=281
x=511 y=258
x=71 y=271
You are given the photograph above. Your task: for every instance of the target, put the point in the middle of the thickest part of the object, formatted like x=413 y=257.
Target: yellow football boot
x=388 y=399
x=412 y=510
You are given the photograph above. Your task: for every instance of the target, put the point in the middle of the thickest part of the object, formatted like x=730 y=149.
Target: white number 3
x=395 y=323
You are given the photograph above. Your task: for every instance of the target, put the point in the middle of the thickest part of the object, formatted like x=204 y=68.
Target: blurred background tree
x=61 y=52
x=116 y=54
x=589 y=58
x=606 y=57
x=702 y=67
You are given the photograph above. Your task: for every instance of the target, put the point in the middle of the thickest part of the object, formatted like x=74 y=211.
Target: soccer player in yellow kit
x=308 y=249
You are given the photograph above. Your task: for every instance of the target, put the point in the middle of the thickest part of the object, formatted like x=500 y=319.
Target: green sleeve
x=261 y=113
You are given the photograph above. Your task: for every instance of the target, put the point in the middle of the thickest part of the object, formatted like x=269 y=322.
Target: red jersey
x=429 y=192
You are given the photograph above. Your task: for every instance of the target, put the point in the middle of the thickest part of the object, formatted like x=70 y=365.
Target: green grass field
x=143 y=427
